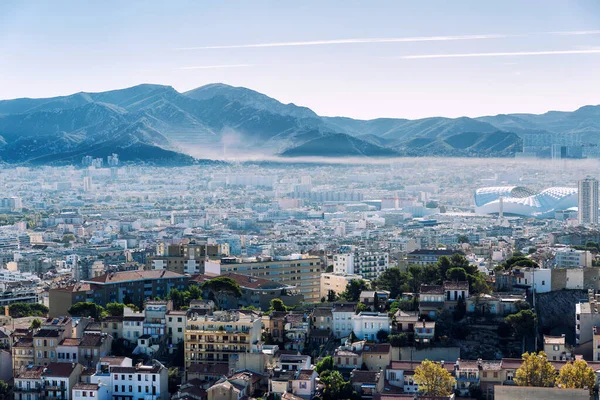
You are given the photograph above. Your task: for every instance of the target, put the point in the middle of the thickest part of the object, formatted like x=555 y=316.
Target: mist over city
x=307 y=200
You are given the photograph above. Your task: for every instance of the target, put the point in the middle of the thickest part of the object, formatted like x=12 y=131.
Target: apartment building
x=128 y=381
x=46 y=339
x=192 y=258
x=256 y=292
x=215 y=338
x=342 y=314
x=301 y=271
x=587 y=316
x=428 y=257
x=18 y=292
x=365 y=325
x=369 y=265
x=336 y=282
x=121 y=287
x=571 y=258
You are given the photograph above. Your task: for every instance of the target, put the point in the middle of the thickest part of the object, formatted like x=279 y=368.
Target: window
x=84 y=393
x=302 y=385
x=116 y=377
x=116 y=388
x=495 y=374
x=92 y=394
x=153 y=378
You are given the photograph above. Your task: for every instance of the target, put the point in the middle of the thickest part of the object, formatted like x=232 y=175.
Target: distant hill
x=157 y=124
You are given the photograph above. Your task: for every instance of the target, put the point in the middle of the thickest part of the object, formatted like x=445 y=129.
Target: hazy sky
x=363 y=59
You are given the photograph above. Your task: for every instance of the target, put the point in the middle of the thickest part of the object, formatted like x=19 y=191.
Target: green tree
x=35 y=324
x=398 y=340
x=392 y=280
x=86 y=309
x=115 y=309
x=277 y=305
x=460 y=310
x=361 y=307
x=433 y=379
x=463 y=239
x=522 y=323
x=456 y=274
x=4 y=390
x=335 y=386
x=353 y=289
x=68 y=238
x=326 y=364
x=177 y=297
x=221 y=287
x=576 y=375
x=535 y=370
x=174 y=379
x=331 y=296
x=19 y=310
x=195 y=292
x=382 y=336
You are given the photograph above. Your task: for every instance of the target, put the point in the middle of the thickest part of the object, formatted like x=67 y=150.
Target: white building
x=148 y=382
x=342 y=314
x=91 y=391
x=369 y=265
x=571 y=258
x=587 y=197
x=539 y=279
x=176 y=321
x=365 y=325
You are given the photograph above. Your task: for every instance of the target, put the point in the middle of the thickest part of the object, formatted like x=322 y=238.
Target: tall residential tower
x=588 y=201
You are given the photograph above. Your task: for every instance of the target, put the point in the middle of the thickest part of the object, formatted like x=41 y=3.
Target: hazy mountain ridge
x=155 y=123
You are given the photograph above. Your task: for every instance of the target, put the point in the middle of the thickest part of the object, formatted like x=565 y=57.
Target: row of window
x=130 y=377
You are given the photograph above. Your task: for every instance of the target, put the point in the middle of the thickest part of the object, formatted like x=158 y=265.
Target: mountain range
x=157 y=124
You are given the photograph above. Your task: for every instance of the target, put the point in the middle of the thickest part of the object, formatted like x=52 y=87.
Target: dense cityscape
x=274 y=280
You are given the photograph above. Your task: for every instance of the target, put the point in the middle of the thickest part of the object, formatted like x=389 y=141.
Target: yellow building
x=303 y=271
x=215 y=338
x=335 y=282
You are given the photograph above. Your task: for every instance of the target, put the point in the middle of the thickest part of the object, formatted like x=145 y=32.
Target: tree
x=68 y=238
x=398 y=340
x=535 y=370
x=382 y=336
x=221 y=287
x=576 y=375
x=4 y=390
x=115 y=309
x=463 y=239
x=361 y=307
x=19 y=310
x=460 y=310
x=456 y=274
x=277 y=305
x=195 y=292
x=353 y=289
x=35 y=324
x=331 y=296
x=174 y=380
x=522 y=323
x=86 y=309
x=326 y=364
x=335 y=385
x=392 y=280
x=433 y=379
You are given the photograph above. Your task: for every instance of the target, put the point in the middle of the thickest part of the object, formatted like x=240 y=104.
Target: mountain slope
x=339 y=145
x=157 y=123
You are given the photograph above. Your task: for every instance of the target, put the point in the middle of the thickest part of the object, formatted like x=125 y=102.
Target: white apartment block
x=365 y=325
x=571 y=258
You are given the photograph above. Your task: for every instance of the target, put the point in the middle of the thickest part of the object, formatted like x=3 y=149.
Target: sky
x=360 y=59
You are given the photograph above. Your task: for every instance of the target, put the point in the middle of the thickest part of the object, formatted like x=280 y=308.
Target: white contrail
x=353 y=41
x=500 y=54
x=388 y=40
x=217 y=66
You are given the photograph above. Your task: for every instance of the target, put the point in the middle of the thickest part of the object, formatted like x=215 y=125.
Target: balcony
x=30 y=389
x=471 y=379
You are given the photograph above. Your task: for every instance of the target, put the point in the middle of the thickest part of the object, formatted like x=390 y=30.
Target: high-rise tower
x=588 y=201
